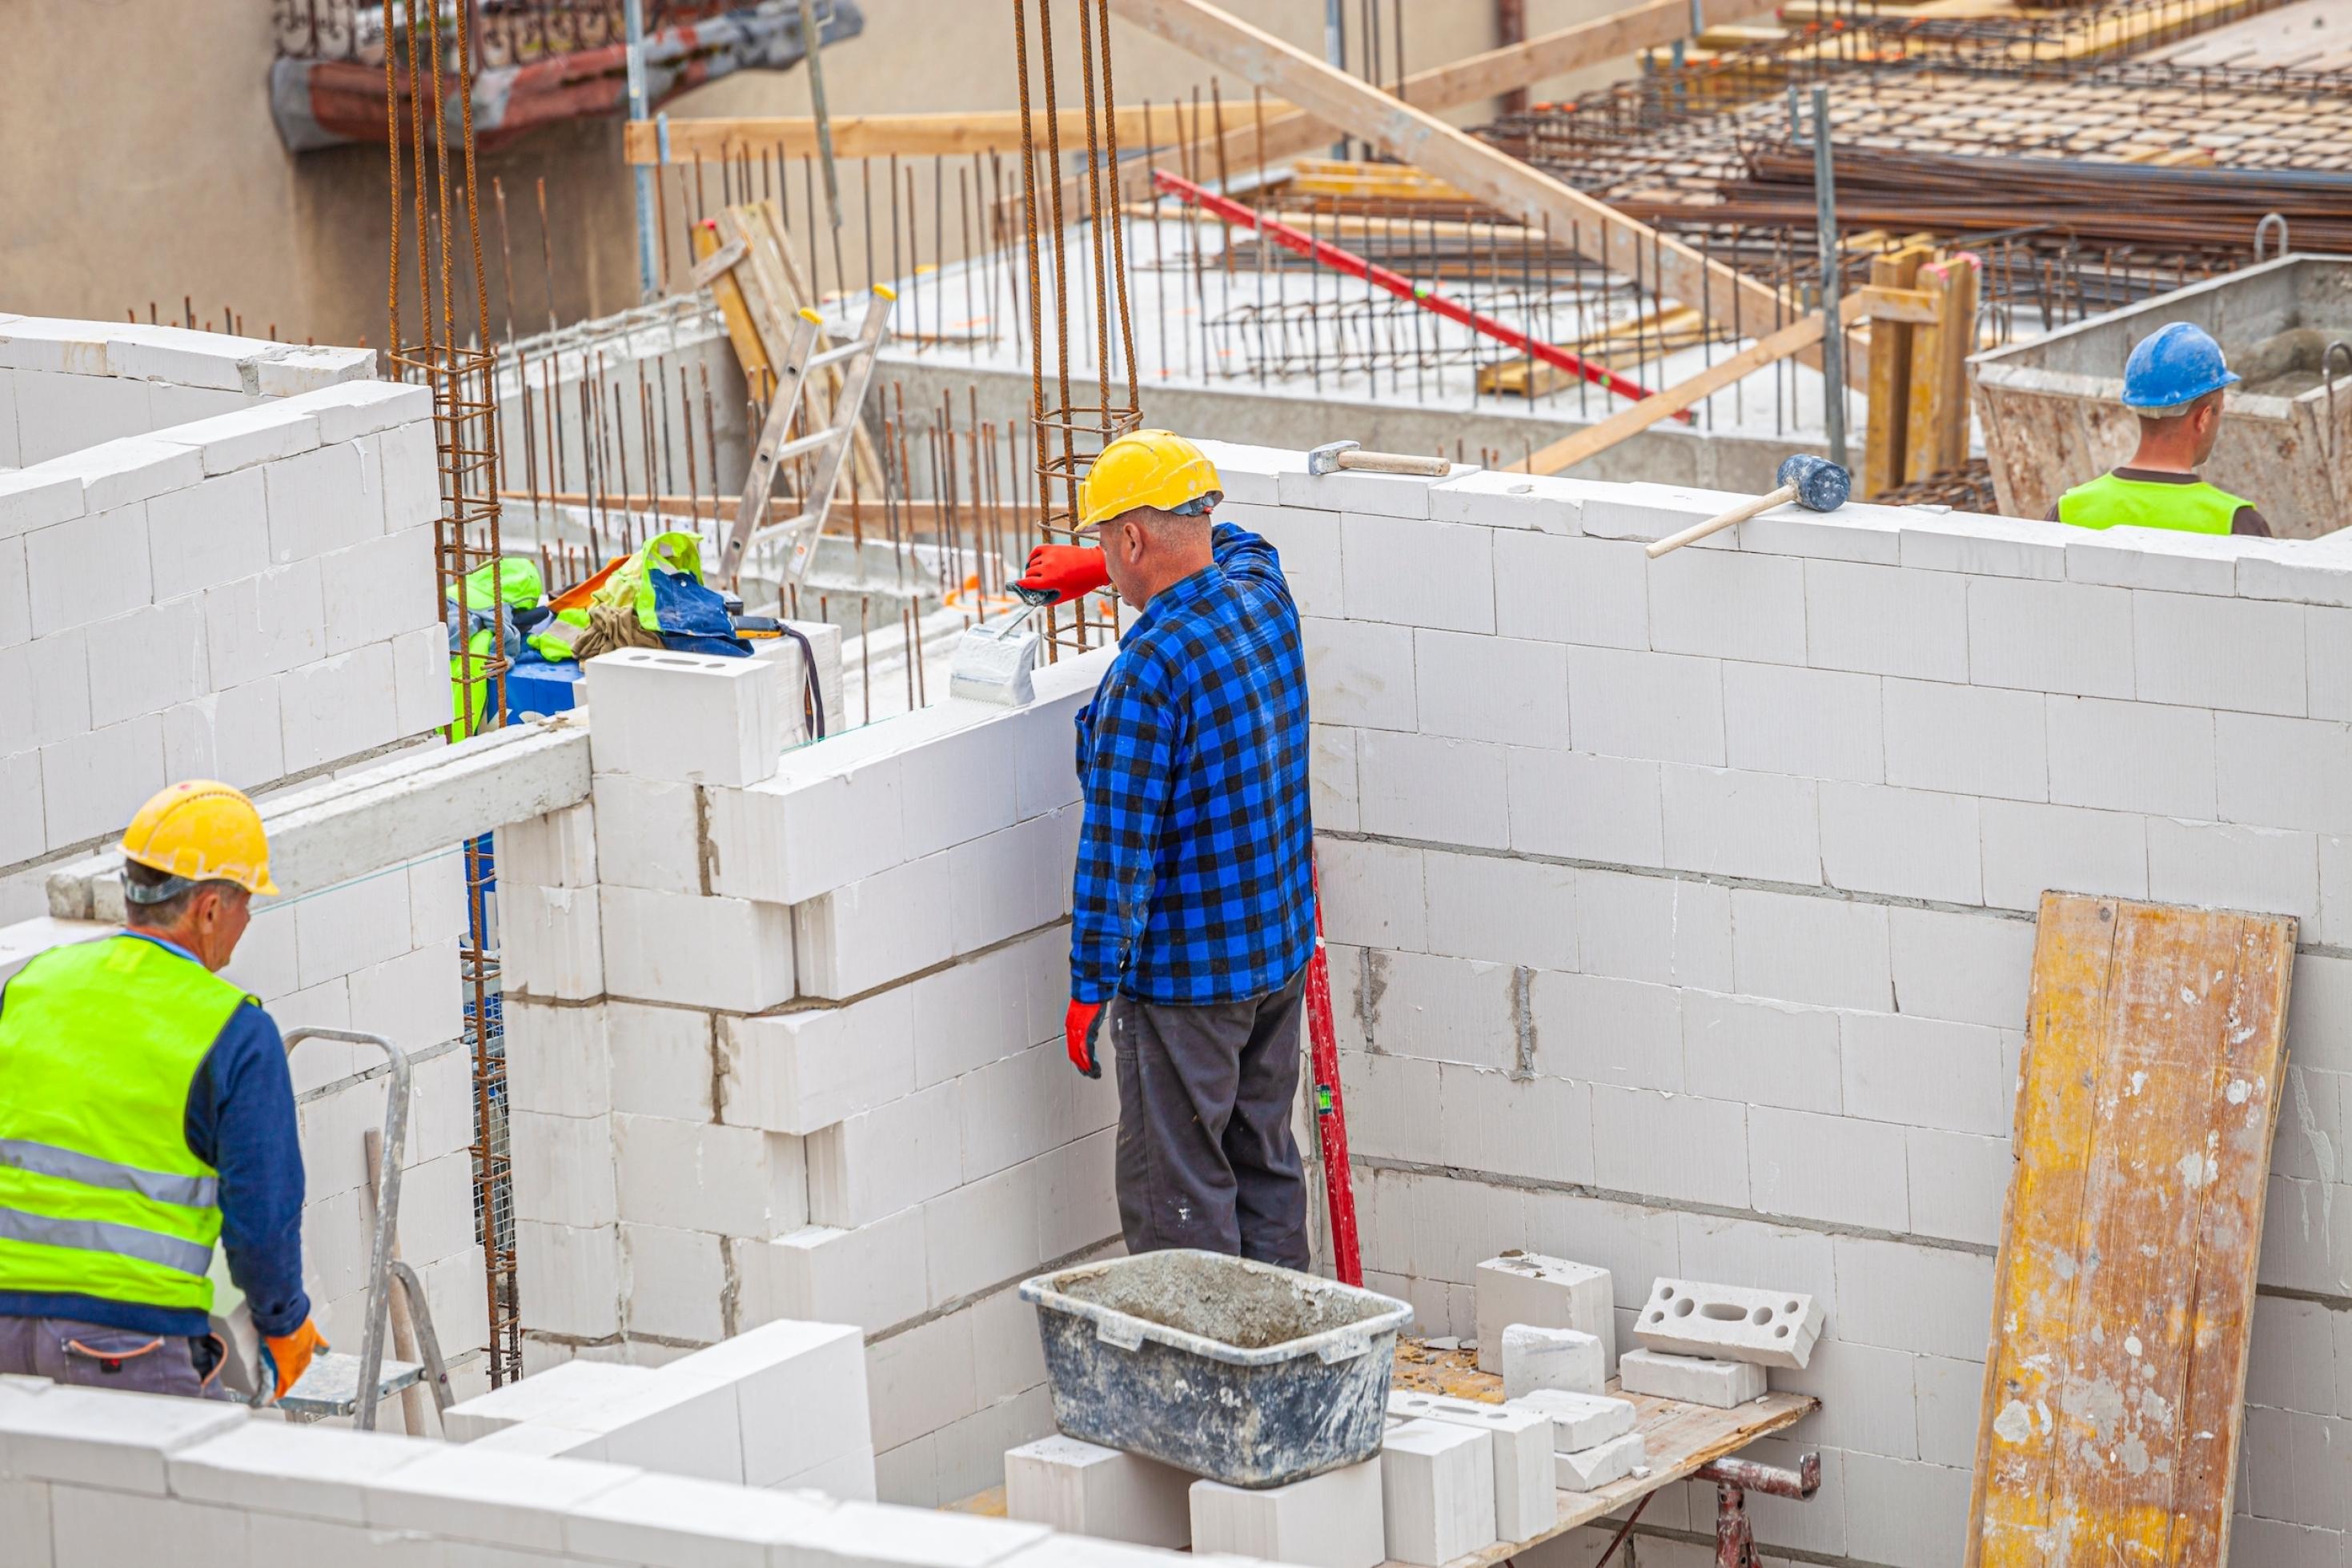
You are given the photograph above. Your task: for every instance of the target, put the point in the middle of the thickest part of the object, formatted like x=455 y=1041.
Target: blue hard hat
x=2174 y=364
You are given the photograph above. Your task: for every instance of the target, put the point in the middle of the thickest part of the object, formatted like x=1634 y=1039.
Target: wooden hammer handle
x=1738 y=514
x=1395 y=463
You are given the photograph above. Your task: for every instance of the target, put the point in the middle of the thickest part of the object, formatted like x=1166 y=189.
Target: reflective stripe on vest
x=41 y=1159
x=2111 y=501
x=99 y=1193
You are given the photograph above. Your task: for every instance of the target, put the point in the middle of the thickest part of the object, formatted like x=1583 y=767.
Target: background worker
x=1195 y=915
x=2173 y=381
x=145 y=1110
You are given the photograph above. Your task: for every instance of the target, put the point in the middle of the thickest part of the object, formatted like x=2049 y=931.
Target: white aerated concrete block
x=734 y=1181
x=1523 y=1441
x=541 y=1396
x=807 y=831
x=556 y=850
x=1580 y=1420
x=801 y=1389
x=261 y=434
x=873 y=1276
x=1730 y=1322
x=1718 y=1385
x=803 y=1070
x=1544 y=1292
x=725 y=953
x=552 y=942
x=875 y=930
x=692 y=717
x=1083 y=1489
x=1331 y=1520
x=1590 y=1469
x=92 y=1438
x=1535 y=1358
x=1437 y=1491
x=648 y=833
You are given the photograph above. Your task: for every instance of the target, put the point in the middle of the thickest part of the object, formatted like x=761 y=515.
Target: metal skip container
x=1242 y=1371
x=2053 y=407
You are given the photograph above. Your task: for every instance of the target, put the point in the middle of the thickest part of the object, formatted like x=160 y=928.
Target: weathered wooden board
x=2147 y=1096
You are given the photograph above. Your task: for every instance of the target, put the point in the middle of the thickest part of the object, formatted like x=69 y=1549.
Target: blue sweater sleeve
x=240 y=1120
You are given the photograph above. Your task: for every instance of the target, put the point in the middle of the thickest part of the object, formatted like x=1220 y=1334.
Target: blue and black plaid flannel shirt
x=1194 y=881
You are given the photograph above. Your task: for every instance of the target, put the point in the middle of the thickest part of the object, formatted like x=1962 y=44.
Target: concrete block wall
x=90 y=1479
x=792 y=1049
x=1681 y=913
x=226 y=571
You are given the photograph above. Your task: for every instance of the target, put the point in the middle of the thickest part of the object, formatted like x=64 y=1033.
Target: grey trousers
x=1205 y=1154
x=93 y=1356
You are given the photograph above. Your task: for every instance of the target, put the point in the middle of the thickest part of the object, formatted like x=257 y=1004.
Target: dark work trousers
x=1206 y=1158
x=94 y=1356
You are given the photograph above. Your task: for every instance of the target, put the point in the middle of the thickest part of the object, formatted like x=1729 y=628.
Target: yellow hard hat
x=202 y=831
x=1147 y=469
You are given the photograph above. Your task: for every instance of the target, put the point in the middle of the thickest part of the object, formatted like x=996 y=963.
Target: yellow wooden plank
x=751 y=350
x=1890 y=378
x=2147 y=1098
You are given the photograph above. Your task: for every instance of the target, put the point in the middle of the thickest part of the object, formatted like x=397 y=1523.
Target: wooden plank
x=1890 y=378
x=2147 y=1098
x=1923 y=452
x=750 y=349
x=944 y=135
x=1639 y=415
x=1882 y=302
x=1491 y=176
x=1957 y=341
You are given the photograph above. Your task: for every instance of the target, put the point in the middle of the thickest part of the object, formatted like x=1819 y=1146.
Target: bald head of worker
x=1147 y=549
x=2178 y=439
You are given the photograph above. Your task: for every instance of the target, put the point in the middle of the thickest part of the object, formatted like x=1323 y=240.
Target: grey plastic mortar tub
x=1242 y=1371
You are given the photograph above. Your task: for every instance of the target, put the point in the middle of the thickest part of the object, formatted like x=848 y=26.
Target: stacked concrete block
x=1565 y=1360
x=160 y=620
x=816 y=1049
x=1732 y=1323
x=1718 y=1385
x=1083 y=1489
x=1437 y=1491
x=91 y=1479
x=1523 y=1441
x=1580 y=1421
x=1543 y=1293
x=1589 y=1470
x=1332 y=1521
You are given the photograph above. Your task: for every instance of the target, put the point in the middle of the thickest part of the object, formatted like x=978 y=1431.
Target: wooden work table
x=1680 y=1437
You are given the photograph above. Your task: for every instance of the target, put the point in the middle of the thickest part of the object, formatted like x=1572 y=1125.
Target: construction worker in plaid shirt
x=1195 y=914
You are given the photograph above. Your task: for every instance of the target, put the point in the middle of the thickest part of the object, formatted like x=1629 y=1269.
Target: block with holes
x=1729 y=1323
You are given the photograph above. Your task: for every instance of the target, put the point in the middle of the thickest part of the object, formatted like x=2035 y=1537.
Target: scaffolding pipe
x=1832 y=332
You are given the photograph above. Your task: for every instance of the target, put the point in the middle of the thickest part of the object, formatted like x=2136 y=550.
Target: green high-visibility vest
x=2110 y=501
x=99 y=1195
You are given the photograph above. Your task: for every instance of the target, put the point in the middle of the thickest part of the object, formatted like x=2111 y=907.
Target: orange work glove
x=288 y=1356
x=1059 y=574
x=1079 y=1027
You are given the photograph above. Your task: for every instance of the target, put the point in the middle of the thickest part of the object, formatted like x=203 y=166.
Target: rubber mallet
x=1815 y=484
x=1334 y=456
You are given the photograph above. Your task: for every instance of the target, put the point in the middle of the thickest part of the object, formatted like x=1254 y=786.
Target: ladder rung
x=834 y=355
x=810 y=443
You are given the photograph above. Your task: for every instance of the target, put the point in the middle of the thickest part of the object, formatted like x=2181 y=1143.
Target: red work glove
x=289 y=1355
x=1059 y=574
x=1079 y=1027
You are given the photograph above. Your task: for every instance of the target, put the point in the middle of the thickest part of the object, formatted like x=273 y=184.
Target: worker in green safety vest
x=146 y=1114
x=2174 y=383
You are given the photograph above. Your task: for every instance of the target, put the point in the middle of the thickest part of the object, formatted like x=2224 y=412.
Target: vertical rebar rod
x=1833 y=324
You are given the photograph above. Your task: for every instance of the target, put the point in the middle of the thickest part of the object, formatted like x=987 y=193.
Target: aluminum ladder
x=799 y=531
x=340 y=1384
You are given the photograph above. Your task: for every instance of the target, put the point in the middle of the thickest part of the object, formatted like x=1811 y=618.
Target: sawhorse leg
x=1735 y=1539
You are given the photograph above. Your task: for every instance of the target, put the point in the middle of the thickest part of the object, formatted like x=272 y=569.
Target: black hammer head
x=1822 y=485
